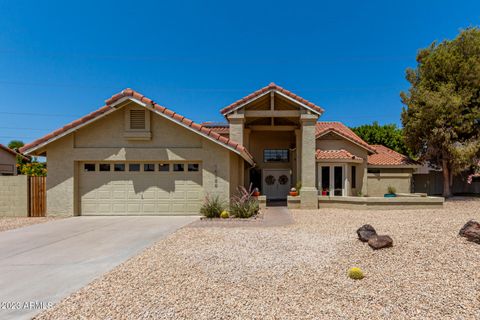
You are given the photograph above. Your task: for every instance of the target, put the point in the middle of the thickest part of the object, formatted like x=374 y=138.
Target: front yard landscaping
x=298 y=271
x=8 y=223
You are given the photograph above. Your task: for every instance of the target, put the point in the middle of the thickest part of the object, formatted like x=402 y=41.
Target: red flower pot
x=293 y=193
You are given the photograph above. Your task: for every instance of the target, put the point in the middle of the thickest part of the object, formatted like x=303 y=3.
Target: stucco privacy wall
x=103 y=140
x=14 y=196
x=400 y=179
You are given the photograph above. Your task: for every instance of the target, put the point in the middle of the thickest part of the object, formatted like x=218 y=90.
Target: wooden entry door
x=276 y=183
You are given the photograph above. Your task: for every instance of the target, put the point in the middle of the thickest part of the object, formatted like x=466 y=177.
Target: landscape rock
x=379 y=242
x=471 y=231
x=365 y=232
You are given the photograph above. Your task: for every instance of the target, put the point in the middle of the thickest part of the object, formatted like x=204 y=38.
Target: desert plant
x=212 y=207
x=391 y=190
x=243 y=204
x=224 y=214
x=355 y=273
x=359 y=193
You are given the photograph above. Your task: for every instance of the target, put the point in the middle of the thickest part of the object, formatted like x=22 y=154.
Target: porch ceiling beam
x=272 y=113
x=273 y=128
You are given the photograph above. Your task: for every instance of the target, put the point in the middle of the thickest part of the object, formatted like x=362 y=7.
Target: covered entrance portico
x=278 y=129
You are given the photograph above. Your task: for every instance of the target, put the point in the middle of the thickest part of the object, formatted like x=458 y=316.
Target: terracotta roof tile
x=174 y=116
x=335 y=154
x=342 y=130
x=387 y=157
x=271 y=86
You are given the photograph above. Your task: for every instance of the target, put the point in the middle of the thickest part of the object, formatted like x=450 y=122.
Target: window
x=373 y=170
x=275 y=155
x=89 y=167
x=133 y=167
x=137 y=119
x=148 y=167
x=104 y=167
x=164 y=167
x=354 y=176
x=192 y=167
x=119 y=167
x=178 y=167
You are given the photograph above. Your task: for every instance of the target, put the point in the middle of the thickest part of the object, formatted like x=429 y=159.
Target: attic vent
x=137 y=119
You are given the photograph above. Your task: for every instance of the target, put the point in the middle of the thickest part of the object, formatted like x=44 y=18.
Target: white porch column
x=308 y=193
x=236 y=122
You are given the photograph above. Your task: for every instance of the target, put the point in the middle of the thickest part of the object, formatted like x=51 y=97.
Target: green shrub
x=391 y=190
x=355 y=273
x=243 y=204
x=212 y=207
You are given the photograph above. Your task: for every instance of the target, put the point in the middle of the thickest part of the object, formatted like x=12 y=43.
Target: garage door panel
x=136 y=193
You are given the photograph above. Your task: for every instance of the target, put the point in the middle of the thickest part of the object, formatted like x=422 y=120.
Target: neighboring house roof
x=335 y=155
x=11 y=151
x=220 y=128
x=7 y=149
x=322 y=128
x=158 y=109
x=387 y=157
x=271 y=87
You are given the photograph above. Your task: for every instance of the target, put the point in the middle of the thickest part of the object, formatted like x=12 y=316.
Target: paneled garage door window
x=119 y=167
x=104 y=167
x=178 y=167
x=193 y=167
x=88 y=167
x=164 y=167
x=134 y=167
x=148 y=167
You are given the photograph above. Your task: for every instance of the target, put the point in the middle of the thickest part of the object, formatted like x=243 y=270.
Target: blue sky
x=60 y=60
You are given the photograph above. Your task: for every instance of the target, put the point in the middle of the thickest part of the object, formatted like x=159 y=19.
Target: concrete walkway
x=43 y=263
x=270 y=217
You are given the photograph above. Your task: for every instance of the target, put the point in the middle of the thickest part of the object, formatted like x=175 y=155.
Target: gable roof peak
x=272 y=87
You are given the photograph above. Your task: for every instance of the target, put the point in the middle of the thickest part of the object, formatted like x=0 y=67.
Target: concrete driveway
x=43 y=263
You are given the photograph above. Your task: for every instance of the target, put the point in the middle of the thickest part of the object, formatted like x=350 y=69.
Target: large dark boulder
x=365 y=232
x=471 y=231
x=380 y=242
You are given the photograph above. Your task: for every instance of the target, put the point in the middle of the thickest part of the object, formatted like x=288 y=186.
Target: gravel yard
x=298 y=271
x=8 y=223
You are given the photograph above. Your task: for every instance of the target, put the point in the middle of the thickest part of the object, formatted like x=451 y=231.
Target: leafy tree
x=388 y=135
x=16 y=144
x=442 y=113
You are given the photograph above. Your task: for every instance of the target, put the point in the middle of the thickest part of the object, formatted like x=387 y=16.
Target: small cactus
x=224 y=214
x=355 y=273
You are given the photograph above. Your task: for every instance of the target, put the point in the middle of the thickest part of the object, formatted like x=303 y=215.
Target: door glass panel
x=338 y=179
x=325 y=181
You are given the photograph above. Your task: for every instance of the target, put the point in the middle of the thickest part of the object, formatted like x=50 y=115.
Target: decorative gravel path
x=297 y=271
x=8 y=223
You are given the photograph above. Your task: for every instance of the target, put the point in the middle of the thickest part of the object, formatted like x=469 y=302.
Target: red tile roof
x=387 y=157
x=342 y=130
x=335 y=155
x=220 y=128
x=7 y=149
x=158 y=108
x=270 y=87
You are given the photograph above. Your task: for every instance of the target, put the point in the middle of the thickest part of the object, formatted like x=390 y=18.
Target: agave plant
x=243 y=204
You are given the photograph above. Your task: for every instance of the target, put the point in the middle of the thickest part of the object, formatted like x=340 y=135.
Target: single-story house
x=134 y=156
x=8 y=161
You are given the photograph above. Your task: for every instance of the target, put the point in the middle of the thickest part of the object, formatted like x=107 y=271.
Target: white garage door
x=140 y=188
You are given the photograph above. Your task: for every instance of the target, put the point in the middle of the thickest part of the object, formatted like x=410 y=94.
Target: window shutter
x=137 y=119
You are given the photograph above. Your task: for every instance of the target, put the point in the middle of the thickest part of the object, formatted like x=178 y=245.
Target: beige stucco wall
x=335 y=142
x=8 y=163
x=14 y=196
x=103 y=140
x=400 y=179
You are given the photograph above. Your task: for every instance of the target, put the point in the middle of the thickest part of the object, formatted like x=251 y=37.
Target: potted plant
x=391 y=192
x=293 y=192
x=325 y=192
x=255 y=192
